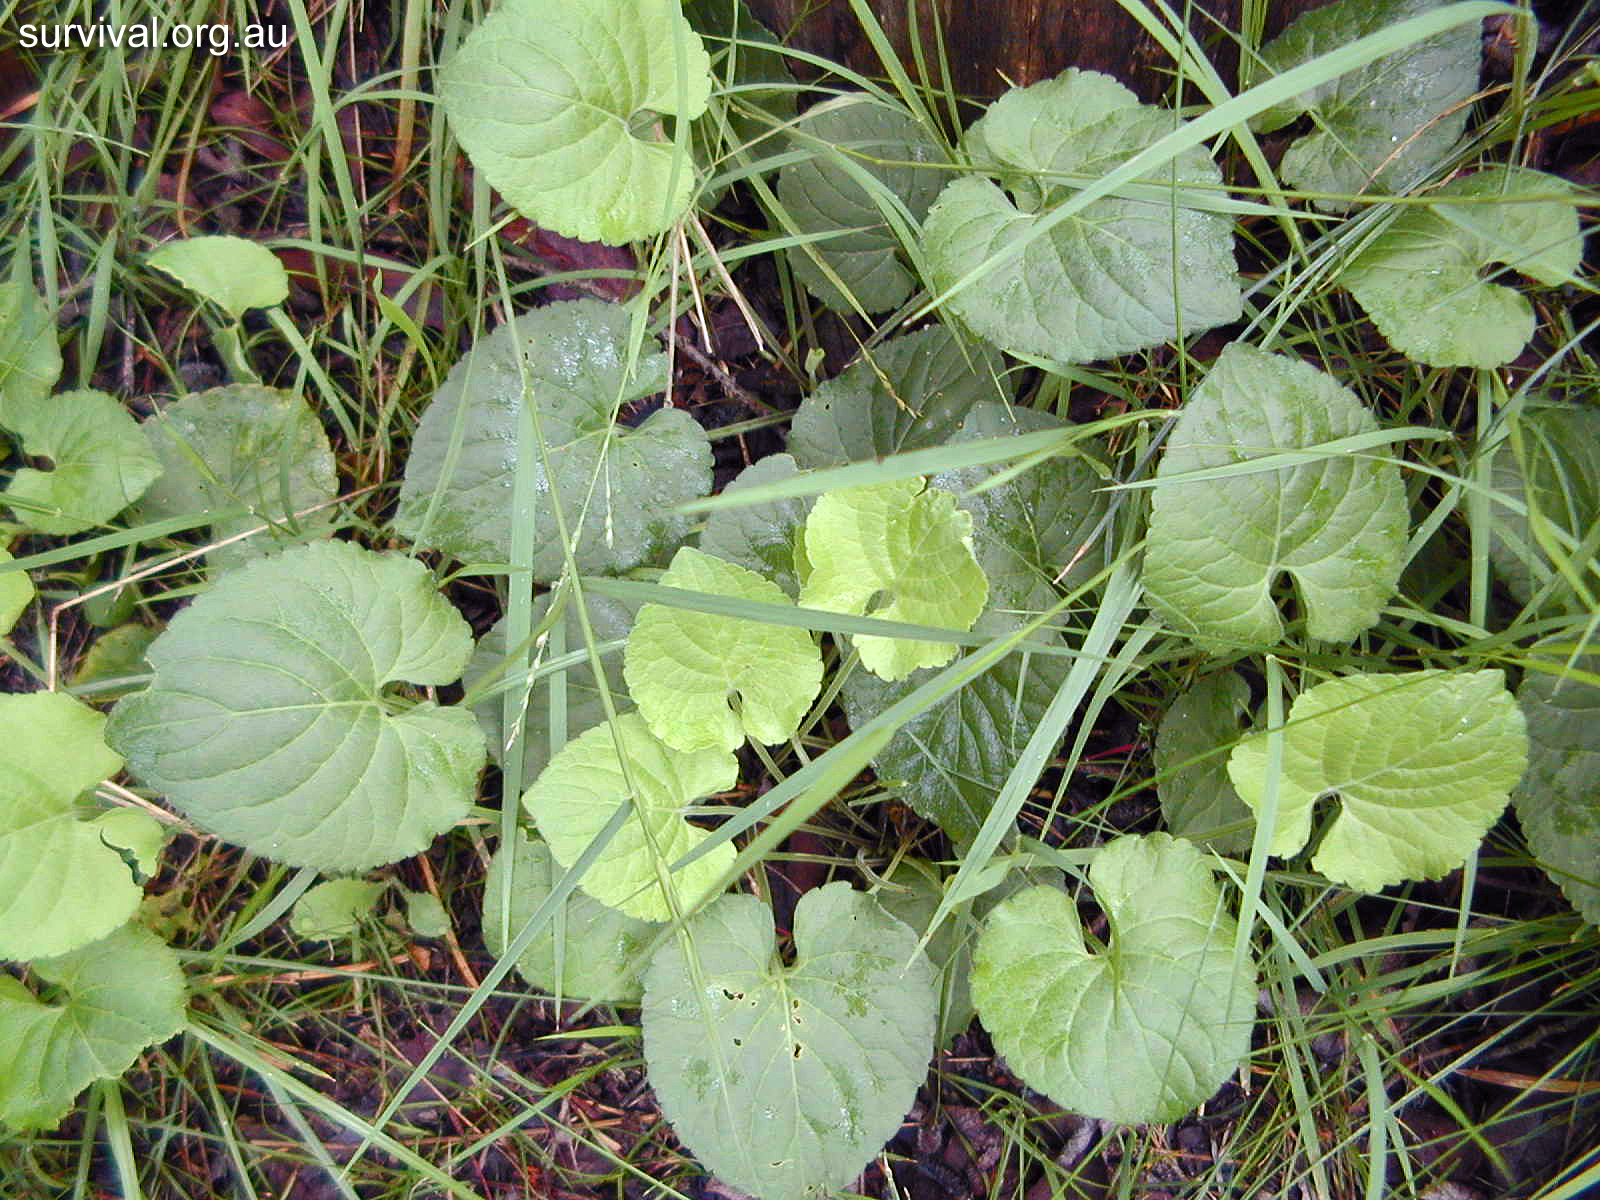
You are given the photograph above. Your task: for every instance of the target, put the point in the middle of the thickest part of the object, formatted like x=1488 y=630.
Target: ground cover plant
x=592 y=605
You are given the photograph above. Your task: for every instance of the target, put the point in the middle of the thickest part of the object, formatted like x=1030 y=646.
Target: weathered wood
x=991 y=44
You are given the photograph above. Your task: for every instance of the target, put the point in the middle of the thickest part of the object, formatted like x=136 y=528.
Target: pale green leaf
x=764 y=538
x=822 y=194
x=1336 y=525
x=112 y=998
x=587 y=951
x=242 y=446
x=1145 y=1029
x=101 y=461
x=1190 y=752
x=116 y=654
x=1422 y=764
x=234 y=274
x=16 y=593
x=334 y=908
x=949 y=761
x=62 y=883
x=1419 y=280
x=1558 y=800
x=136 y=837
x=1558 y=476
x=271 y=723
x=574 y=356
x=1383 y=126
x=1029 y=529
x=786 y=1080
x=1119 y=276
x=577 y=794
x=557 y=103
x=898 y=551
x=702 y=680
x=30 y=359
x=910 y=393
x=610 y=620
x=425 y=915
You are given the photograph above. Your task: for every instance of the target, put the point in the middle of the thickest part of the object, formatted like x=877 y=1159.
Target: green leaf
x=1419 y=279
x=1423 y=764
x=1558 y=800
x=1144 y=1030
x=586 y=952
x=575 y=358
x=425 y=915
x=1196 y=794
x=241 y=446
x=16 y=593
x=702 y=680
x=1028 y=529
x=30 y=359
x=334 y=909
x=1383 y=126
x=116 y=654
x=234 y=274
x=577 y=794
x=101 y=462
x=63 y=882
x=900 y=552
x=269 y=721
x=786 y=1080
x=556 y=102
x=115 y=997
x=763 y=538
x=1119 y=276
x=1337 y=525
x=949 y=761
x=911 y=393
x=611 y=620
x=1557 y=475
x=823 y=194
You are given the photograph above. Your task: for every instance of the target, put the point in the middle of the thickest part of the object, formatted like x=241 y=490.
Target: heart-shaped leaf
x=1143 y=1030
x=241 y=446
x=909 y=394
x=578 y=793
x=1557 y=476
x=63 y=882
x=269 y=721
x=764 y=538
x=949 y=761
x=586 y=952
x=555 y=100
x=101 y=461
x=703 y=680
x=234 y=274
x=1028 y=529
x=1123 y=274
x=115 y=997
x=623 y=482
x=825 y=194
x=1423 y=764
x=786 y=1080
x=1196 y=794
x=898 y=551
x=1558 y=800
x=610 y=620
x=1337 y=525
x=1383 y=126
x=1419 y=279
x=334 y=908
x=30 y=359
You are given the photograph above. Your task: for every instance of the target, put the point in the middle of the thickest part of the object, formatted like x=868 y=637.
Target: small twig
x=449 y=930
